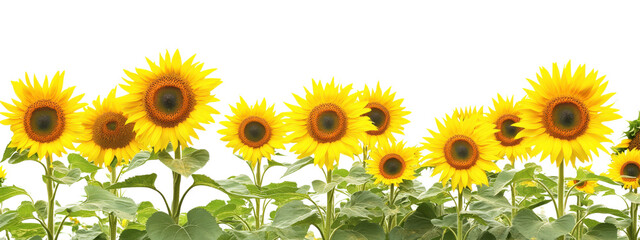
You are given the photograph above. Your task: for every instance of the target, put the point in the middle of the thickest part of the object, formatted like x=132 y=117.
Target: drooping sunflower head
x=44 y=119
x=386 y=113
x=169 y=101
x=584 y=186
x=254 y=131
x=506 y=113
x=107 y=135
x=328 y=122
x=563 y=115
x=631 y=137
x=462 y=150
x=392 y=163
x=625 y=168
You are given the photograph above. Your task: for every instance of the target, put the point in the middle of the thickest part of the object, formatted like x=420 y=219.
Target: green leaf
x=297 y=165
x=92 y=233
x=139 y=159
x=133 y=234
x=11 y=191
x=27 y=231
x=293 y=213
x=99 y=199
x=64 y=175
x=621 y=223
x=602 y=231
x=531 y=226
x=190 y=162
x=145 y=210
x=363 y=204
x=8 y=151
x=16 y=156
x=147 y=181
x=233 y=186
x=41 y=209
x=222 y=210
x=200 y=226
x=77 y=161
x=633 y=197
x=599 y=208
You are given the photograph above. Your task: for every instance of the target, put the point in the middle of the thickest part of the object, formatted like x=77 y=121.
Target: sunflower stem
x=364 y=165
x=514 y=202
x=459 y=235
x=578 y=235
x=632 y=232
x=257 y=206
x=329 y=212
x=391 y=217
x=561 y=203
x=51 y=198
x=113 y=220
x=175 y=204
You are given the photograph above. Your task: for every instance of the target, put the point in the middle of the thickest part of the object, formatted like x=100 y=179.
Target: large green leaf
x=602 y=231
x=363 y=230
x=190 y=162
x=14 y=156
x=235 y=186
x=140 y=159
x=134 y=234
x=223 y=210
x=294 y=167
x=292 y=220
x=93 y=233
x=77 y=161
x=64 y=175
x=363 y=204
x=200 y=226
x=531 y=226
x=147 y=181
x=11 y=191
x=27 y=231
x=99 y=199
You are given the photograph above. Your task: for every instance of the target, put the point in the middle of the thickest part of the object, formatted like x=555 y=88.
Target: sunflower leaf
x=147 y=181
x=531 y=226
x=235 y=186
x=140 y=159
x=200 y=225
x=11 y=191
x=99 y=199
x=77 y=161
x=602 y=231
x=294 y=167
x=190 y=162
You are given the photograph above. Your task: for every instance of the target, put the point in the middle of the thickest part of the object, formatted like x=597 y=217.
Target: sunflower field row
x=166 y=106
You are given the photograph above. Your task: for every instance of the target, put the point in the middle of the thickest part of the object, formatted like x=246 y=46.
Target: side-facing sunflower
x=584 y=186
x=254 y=131
x=44 y=119
x=328 y=122
x=625 y=168
x=632 y=138
x=462 y=150
x=505 y=113
x=107 y=135
x=386 y=113
x=171 y=100
x=392 y=163
x=563 y=115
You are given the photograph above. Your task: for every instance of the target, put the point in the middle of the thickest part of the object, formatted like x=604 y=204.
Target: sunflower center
x=254 y=132
x=579 y=184
x=169 y=100
x=110 y=131
x=392 y=166
x=327 y=123
x=379 y=115
x=631 y=170
x=461 y=152
x=508 y=132
x=44 y=121
x=566 y=118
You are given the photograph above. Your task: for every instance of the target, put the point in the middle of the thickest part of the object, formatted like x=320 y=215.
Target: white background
x=437 y=56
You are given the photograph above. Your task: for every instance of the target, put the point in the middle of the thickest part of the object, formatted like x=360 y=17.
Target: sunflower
x=254 y=131
x=625 y=168
x=585 y=186
x=170 y=101
x=563 y=115
x=392 y=163
x=3 y=175
x=632 y=140
x=464 y=113
x=107 y=135
x=463 y=150
x=505 y=114
x=329 y=122
x=44 y=120
x=386 y=114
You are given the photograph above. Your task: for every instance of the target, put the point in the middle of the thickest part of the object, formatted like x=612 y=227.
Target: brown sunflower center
x=566 y=118
x=630 y=171
x=508 y=132
x=110 y=131
x=379 y=115
x=327 y=123
x=392 y=166
x=169 y=100
x=44 y=121
x=635 y=142
x=579 y=184
x=254 y=132
x=461 y=152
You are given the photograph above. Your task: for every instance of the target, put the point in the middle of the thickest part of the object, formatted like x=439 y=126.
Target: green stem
x=257 y=206
x=50 y=197
x=364 y=165
x=632 y=230
x=391 y=217
x=113 y=220
x=329 y=213
x=514 y=203
x=458 y=210
x=560 y=209
x=578 y=234
x=175 y=204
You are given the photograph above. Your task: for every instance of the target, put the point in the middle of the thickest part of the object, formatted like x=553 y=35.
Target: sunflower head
x=3 y=175
x=386 y=113
x=328 y=122
x=392 y=163
x=632 y=138
x=563 y=115
x=506 y=113
x=584 y=186
x=468 y=112
x=254 y=131
x=169 y=101
x=44 y=118
x=625 y=168
x=107 y=135
x=462 y=150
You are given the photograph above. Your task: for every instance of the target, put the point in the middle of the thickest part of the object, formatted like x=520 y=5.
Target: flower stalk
x=51 y=198
x=113 y=220
x=177 y=178
x=459 y=235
